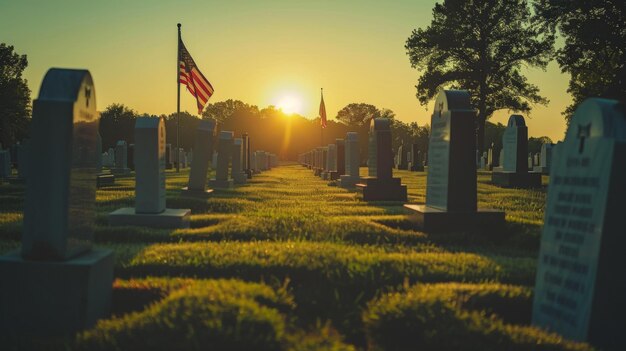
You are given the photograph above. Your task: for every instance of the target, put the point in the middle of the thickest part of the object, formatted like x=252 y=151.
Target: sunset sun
x=290 y=104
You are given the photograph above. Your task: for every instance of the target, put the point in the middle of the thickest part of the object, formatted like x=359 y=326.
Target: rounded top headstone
x=352 y=136
x=379 y=124
x=207 y=124
x=597 y=117
x=65 y=85
x=226 y=134
x=516 y=121
x=147 y=122
x=449 y=100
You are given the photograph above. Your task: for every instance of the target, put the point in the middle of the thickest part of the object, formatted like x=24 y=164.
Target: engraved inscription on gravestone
x=579 y=285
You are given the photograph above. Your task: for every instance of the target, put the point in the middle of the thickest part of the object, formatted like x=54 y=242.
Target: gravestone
x=150 y=209
x=331 y=162
x=579 y=290
x=483 y=161
x=545 y=159
x=451 y=200
x=402 y=157
x=380 y=185
x=169 y=164
x=103 y=178
x=203 y=144
x=57 y=284
x=253 y=161
x=515 y=167
x=416 y=164
x=323 y=161
x=222 y=179
x=214 y=161
x=121 y=159
x=246 y=155
x=317 y=152
x=352 y=160
x=239 y=176
x=340 y=160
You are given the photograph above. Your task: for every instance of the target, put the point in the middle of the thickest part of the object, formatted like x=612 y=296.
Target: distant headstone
x=380 y=185
x=352 y=160
x=545 y=158
x=331 y=162
x=121 y=159
x=417 y=163
x=402 y=158
x=246 y=155
x=579 y=291
x=57 y=284
x=451 y=200
x=515 y=167
x=150 y=210
x=323 y=160
x=203 y=144
x=238 y=174
x=339 y=163
x=253 y=163
x=222 y=179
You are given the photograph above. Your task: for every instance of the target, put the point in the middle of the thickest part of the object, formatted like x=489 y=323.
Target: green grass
x=291 y=262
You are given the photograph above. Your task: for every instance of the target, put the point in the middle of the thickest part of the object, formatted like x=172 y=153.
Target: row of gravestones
x=579 y=288
x=413 y=160
x=57 y=283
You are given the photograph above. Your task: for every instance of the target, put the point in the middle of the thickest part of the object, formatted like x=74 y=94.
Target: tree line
x=478 y=45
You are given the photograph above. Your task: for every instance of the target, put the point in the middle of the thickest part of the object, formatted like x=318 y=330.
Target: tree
x=360 y=114
x=14 y=96
x=481 y=46
x=223 y=110
x=594 y=52
x=117 y=122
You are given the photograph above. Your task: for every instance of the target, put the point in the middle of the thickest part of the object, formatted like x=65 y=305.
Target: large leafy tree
x=481 y=46
x=360 y=114
x=14 y=96
x=117 y=122
x=595 y=45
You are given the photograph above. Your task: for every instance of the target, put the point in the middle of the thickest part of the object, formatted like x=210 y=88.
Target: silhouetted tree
x=360 y=114
x=534 y=144
x=14 y=96
x=595 y=46
x=117 y=122
x=480 y=46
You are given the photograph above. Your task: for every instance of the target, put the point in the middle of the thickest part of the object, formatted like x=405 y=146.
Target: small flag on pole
x=191 y=76
x=323 y=111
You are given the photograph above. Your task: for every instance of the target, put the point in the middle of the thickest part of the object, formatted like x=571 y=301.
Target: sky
x=270 y=52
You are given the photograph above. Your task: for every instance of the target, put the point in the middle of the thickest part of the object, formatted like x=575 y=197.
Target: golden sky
x=264 y=53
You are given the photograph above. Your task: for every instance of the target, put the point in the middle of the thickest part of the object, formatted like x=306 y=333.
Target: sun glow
x=290 y=104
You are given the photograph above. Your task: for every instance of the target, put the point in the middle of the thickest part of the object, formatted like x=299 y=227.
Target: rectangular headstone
x=205 y=133
x=149 y=165
x=580 y=285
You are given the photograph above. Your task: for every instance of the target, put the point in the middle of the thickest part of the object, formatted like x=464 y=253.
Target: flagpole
x=321 y=125
x=178 y=103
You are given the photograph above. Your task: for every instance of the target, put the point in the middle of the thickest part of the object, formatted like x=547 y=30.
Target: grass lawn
x=292 y=262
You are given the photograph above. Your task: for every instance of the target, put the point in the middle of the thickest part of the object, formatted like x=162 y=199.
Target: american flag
x=191 y=76
x=322 y=112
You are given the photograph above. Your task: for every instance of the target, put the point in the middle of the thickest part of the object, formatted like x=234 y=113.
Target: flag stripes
x=190 y=75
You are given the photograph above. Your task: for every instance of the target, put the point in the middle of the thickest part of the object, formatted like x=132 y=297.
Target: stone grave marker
x=121 y=159
x=339 y=160
x=239 y=175
x=150 y=209
x=352 y=160
x=515 y=167
x=331 y=162
x=222 y=179
x=580 y=282
x=402 y=157
x=545 y=159
x=57 y=284
x=203 y=144
x=416 y=164
x=380 y=185
x=246 y=155
x=451 y=200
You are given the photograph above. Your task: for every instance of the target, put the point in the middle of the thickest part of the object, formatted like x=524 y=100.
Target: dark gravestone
x=451 y=180
x=225 y=144
x=150 y=195
x=57 y=284
x=402 y=157
x=203 y=144
x=545 y=159
x=351 y=161
x=515 y=168
x=341 y=159
x=580 y=285
x=121 y=159
x=380 y=184
x=239 y=176
x=331 y=162
x=416 y=164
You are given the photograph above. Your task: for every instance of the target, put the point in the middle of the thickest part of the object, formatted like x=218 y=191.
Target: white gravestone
x=57 y=284
x=224 y=151
x=580 y=285
x=515 y=168
x=352 y=160
x=150 y=195
x=205 y=134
